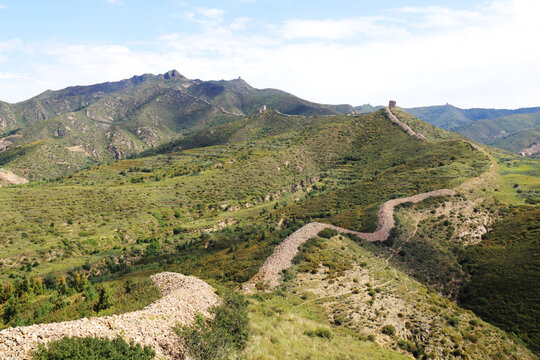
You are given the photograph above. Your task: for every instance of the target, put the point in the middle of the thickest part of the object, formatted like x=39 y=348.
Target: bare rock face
x=171 y=74
x=183 y=297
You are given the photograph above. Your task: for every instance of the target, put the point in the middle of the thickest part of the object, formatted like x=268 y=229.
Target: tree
x=11 y=310
x=62 y=286
x=6 y=292
x=79 y=282
x=104 y=300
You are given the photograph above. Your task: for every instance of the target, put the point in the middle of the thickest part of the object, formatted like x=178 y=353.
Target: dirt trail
x=281 y=258
x=183 y=297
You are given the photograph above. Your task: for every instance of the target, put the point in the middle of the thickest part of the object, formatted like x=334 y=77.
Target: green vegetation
x=338 y=317
x=503 y=268
x=30 y=300
x=494 y=276
x=223 y=335
x=216 y=197
x=327 y=233
x=92 y=349
x=512 y=130
x=389 y=330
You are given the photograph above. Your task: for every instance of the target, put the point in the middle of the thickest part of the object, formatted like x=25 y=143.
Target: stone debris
x=281 y=258
x=183 y=297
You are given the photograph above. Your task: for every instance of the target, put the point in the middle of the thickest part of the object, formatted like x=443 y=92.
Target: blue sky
x=468 y=53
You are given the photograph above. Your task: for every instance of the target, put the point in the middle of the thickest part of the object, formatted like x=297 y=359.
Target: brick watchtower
x=392 y=103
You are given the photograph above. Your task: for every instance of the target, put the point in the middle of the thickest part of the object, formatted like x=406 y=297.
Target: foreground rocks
x=183 y=297
x=281 y=258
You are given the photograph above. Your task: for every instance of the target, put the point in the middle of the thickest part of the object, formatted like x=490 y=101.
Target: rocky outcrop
x=281 y=258
x=183 y=297
x=12 y=178
x=531 y=150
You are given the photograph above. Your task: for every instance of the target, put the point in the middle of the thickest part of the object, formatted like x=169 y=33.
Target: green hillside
x=214 y=199
x=512 y=130
x=84 y=125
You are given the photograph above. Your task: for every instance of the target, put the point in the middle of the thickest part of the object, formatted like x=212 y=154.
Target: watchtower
x=392 y=103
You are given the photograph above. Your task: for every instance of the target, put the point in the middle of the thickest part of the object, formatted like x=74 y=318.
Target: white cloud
x=240 y=23
x=210 y=13
x=9 y=76
x=340 y=29
x=2 y=6
x=482 y=57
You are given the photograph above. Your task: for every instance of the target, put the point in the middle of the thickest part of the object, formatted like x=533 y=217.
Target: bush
x=327 y=233
x=319 y=332
x=93 y=349
x=220 y=337
x=153 y=249
x=454 y=321
x=389 y=330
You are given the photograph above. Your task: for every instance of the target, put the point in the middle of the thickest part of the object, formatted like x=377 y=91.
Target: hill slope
x=216 y=203
x=84 y=125
x=512 y=130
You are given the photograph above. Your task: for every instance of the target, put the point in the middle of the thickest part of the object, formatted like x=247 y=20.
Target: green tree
x=62 y=287
x=104 y=299
x=11 y=310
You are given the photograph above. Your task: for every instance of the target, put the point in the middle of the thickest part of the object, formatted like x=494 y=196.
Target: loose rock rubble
x=183 y=297
x=281 y=258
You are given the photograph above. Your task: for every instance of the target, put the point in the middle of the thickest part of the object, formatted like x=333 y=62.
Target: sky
x=481 y=53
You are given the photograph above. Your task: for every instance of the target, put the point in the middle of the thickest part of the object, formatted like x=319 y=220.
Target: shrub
x=454 y=321
x=92 y=349
x=389 y=330
x=327 y=233
x=153 y=249
x=221 y=336
x=319 y=332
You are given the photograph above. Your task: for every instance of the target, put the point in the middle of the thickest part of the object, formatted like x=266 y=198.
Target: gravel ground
x=183 y=297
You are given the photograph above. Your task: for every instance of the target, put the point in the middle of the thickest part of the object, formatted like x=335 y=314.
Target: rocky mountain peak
x=172 y=74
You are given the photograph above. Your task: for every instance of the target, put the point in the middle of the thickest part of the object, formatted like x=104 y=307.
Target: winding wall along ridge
x=404 y=126
x=183 y=297
x=281 y=258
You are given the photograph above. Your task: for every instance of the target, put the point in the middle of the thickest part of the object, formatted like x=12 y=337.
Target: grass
x=503 y=275
x=320 y=315
x=218 y=211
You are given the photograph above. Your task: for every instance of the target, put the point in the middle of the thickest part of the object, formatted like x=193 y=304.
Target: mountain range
x=84 y=125
x=512 y=130
x=59 y=132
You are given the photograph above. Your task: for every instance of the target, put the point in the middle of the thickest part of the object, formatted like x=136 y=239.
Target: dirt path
x=183 y=297
x=281 y=258
x=12 y=178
